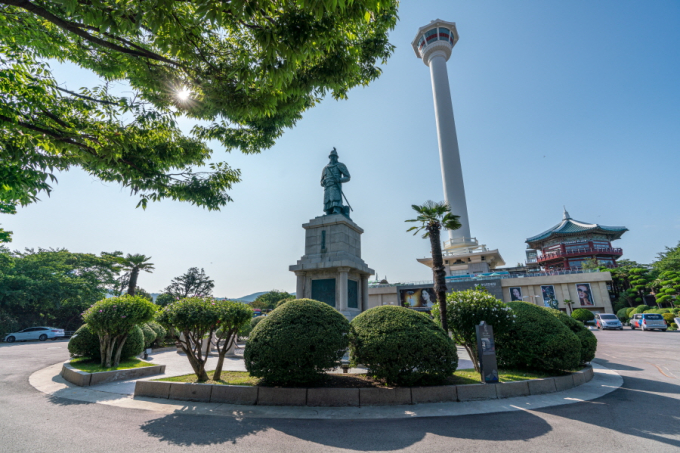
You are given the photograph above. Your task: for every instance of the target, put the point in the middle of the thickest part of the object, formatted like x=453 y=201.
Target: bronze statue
x=332 y=177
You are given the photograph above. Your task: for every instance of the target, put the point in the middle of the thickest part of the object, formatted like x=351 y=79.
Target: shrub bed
x=297 y=343
x=537 y=341
x=402 y=346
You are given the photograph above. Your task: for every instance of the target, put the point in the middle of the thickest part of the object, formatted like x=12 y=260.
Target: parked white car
x=35 y=333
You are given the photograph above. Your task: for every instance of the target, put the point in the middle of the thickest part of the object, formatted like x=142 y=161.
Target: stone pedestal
x=331 y=269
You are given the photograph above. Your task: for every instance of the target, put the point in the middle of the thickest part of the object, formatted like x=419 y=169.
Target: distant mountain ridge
x=245 y=299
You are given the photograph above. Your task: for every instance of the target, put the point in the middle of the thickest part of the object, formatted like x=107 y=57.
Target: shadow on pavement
x=616 y=366
x=378 y=435
x=631 y=410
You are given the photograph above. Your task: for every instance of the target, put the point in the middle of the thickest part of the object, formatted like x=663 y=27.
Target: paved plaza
x=642 y=415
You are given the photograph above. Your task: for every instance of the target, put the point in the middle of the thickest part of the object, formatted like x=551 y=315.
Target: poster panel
x=418 y=298
x=585 y=294
x=549 y=299
x=516 y=293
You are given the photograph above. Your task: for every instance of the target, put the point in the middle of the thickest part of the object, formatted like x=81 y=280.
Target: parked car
x=35 y=333
x=605 y=321
x=648 y=321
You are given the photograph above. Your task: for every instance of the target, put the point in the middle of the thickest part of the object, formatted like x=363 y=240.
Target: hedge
x=537 y=341
x=149 y=335
x=583 y=315
x=297 y=343
x=402 y=346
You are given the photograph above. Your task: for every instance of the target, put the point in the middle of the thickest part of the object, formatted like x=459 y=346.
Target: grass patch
x=90 y=366
x=228 y=378
x=460 y=377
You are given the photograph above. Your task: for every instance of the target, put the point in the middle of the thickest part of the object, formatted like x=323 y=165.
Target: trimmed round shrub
x=402 y=346
x=537 y=341
x=630 y=311
x=149 y=335
x=668 y=317
x=583 y=315
x=585 y=336
x=84 y=343
x=623 y=315
x=297 y=343
x=641 y=309
x=255 y=321
x=160 y=330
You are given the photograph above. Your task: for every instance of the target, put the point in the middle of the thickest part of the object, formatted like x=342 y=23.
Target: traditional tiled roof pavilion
x=571 y=242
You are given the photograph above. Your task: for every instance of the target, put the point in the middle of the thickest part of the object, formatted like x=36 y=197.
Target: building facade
x=570 y=243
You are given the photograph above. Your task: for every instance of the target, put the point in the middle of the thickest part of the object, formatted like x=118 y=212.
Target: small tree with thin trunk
x=195 y=320
x=233 y=317
x=432 y=218
x=113 y=319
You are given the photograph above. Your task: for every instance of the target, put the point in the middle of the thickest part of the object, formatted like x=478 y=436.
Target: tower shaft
x=449 y=154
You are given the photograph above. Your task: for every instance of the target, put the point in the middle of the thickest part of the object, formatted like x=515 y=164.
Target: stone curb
x=85 y=379
x=355 y=397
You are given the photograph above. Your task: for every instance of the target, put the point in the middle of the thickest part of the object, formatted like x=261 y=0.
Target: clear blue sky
x=556 y=103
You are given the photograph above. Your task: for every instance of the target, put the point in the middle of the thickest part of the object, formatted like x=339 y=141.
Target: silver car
x=35 y=333
x=605 y=321
x=648 y=321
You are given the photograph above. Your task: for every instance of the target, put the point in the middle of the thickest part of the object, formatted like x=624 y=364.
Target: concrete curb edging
x=85 y=379
x=354 y=397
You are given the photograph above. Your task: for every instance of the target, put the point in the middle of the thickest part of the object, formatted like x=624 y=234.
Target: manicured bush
x=402 y=346
x=85 y=343
x=159 y=330
x=673 y=326
x=630 y=311
x=668 y=317
x=196 y=319
x=297 y=343
x=113 y=319
x=255 y=321
x=641 y=309
x=585 y=336
x=465 y=310
x=149 y=335
x=623 y=315
x=583 y=315
x=537 y=341
x=233 y=317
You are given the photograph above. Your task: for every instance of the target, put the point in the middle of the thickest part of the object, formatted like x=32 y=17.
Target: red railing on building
x=580 y=252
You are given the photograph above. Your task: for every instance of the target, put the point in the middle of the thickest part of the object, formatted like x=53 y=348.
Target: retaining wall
x=370 y=396
x=85 y=379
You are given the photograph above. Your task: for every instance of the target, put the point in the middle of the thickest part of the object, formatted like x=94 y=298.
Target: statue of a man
x=332 y=177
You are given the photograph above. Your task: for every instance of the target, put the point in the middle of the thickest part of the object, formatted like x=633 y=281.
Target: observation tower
x=433 y=44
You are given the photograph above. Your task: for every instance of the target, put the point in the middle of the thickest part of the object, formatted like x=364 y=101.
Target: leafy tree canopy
x=52 y=286
x=270 y=300
x=669 y=260
x=193 y=283
x=244 y=71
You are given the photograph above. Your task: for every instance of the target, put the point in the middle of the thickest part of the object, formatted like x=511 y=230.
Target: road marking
x=661 y=371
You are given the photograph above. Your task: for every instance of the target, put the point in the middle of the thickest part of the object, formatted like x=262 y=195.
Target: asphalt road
x=642 y=416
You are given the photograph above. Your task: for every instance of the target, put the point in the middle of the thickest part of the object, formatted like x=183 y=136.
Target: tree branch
x=76 y=30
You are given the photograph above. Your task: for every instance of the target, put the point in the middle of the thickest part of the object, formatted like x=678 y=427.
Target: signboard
x=486 y=350
x=549 y=299
x=492 y=285
x=418 y=298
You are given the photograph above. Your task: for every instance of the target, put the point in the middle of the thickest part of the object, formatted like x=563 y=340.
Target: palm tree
x=432 y=217
x=134 y=264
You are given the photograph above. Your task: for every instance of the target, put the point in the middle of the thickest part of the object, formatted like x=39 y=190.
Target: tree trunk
x=103 y=347
x=439 y=274
x=192 y=348
x=472 y=352
x=109 y=352
x=119 y=349
x=222 y=351
x=132 y=284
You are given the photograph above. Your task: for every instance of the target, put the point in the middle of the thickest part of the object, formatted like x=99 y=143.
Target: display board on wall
x=422 y=297
x=516 y=293
x=549 y=299
x=585 y=294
